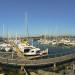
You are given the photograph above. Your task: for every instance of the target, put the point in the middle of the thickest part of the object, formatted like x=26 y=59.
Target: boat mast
x=26 y=23
x=3 y=31
x=7 y=35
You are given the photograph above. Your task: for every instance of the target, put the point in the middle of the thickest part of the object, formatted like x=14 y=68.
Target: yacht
x=31 y=50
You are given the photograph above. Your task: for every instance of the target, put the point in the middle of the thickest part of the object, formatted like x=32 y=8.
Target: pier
x=40 y=62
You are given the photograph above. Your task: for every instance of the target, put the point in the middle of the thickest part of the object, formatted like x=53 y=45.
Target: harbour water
x=55 y=50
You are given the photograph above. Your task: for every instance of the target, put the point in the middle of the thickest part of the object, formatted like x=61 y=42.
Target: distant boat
x=5 y=46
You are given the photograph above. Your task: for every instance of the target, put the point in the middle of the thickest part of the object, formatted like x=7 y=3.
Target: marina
x=13 y=55
x=37 y=37
x=17 y=57
x=7 y=60
x=23 y=54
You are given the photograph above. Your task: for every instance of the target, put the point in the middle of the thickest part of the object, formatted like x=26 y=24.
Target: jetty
x=40 y=62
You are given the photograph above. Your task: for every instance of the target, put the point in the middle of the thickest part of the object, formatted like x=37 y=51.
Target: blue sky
x=51 y=17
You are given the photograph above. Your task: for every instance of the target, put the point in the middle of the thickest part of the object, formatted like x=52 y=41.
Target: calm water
x=55 y=50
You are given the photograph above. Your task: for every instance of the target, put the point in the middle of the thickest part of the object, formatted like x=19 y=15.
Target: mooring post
x=54 y=66
x=23 y=70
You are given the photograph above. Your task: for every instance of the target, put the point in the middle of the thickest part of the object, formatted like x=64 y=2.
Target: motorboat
x=31 y=50
x=28 y=49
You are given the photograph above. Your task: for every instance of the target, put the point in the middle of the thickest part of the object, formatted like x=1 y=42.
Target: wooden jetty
x=40 y=62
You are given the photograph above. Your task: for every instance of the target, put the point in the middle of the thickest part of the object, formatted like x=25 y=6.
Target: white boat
x=31 y=50
x=35 y=51
x=5 y=46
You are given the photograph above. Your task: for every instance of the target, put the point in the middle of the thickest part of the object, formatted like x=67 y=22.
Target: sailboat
x=4 y=45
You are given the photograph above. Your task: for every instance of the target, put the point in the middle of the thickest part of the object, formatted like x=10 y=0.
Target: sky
x=52 y=17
